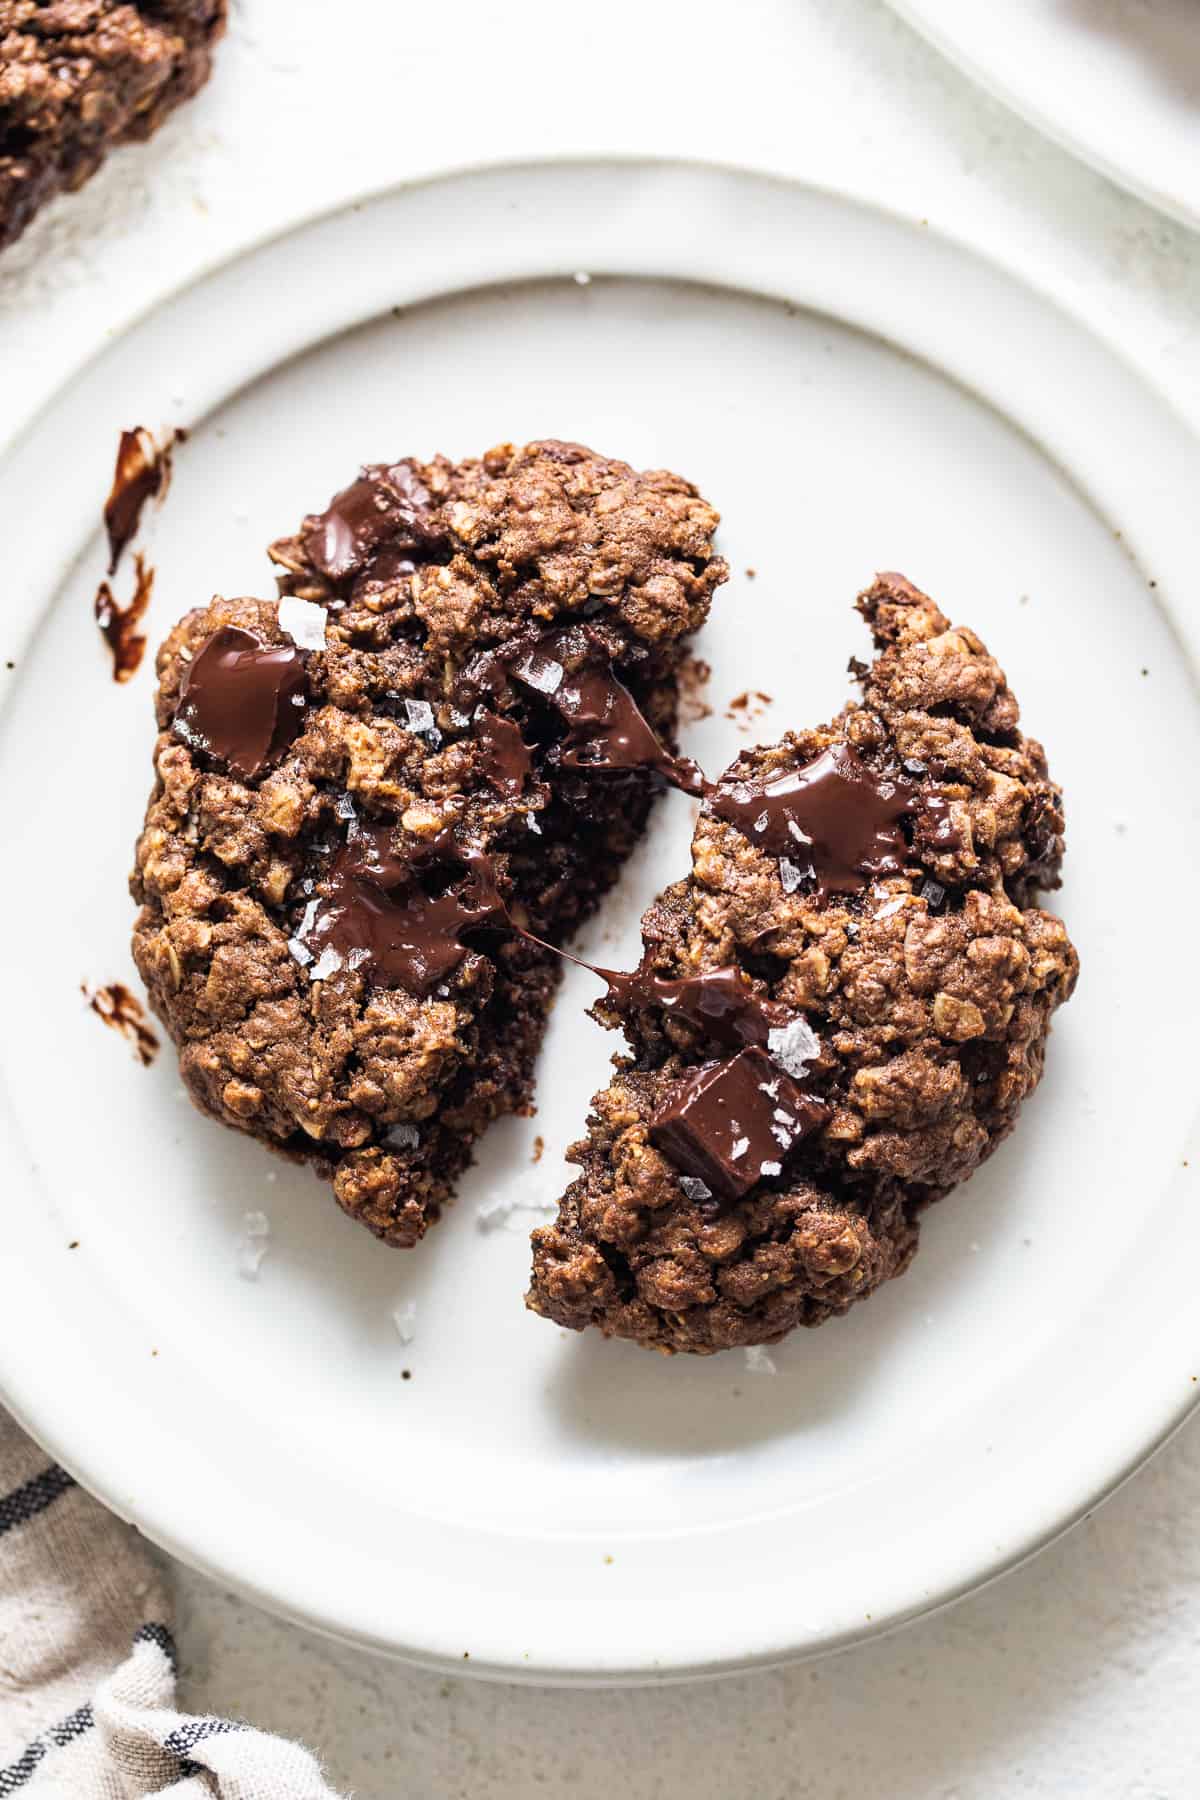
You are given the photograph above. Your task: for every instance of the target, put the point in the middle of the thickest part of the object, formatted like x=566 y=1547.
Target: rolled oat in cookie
x=359 y=784
x=871 y=884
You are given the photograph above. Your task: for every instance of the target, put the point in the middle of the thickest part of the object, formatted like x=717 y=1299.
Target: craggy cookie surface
x=78 y=77
x=355 y=784
x=759 y=1162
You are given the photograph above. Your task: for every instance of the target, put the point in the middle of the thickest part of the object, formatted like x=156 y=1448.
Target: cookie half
x=359 y=784
x=838 y=1013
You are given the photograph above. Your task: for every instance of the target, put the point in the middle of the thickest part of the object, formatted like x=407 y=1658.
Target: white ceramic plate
x=855 y=394
x=1116 y=81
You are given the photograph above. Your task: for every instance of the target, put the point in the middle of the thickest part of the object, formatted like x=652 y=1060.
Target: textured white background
x=1079 y=1676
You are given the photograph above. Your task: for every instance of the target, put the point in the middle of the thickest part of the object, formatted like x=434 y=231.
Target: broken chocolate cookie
x=79 y=77
x=454 y=720
x=861 y=903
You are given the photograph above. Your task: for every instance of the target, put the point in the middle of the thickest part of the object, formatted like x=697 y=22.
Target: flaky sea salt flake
x=404 y=1318
x=303 y=621
x=256 y=1231
x=419 y=717
x=793 y=1046
x=758 y=1362
x=542 y=673
x=328 y=963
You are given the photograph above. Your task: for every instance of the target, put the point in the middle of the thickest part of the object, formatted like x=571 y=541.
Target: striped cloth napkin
x=87 y=1662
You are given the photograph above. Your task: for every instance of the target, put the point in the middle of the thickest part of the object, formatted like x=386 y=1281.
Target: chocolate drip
x=721 y=1003
x=835 y=820
x=142 y=471
x=730 y=1123
x=119 y=624
x=389 y=503
x=413 y=943
x=605 y=727
x=242 y=700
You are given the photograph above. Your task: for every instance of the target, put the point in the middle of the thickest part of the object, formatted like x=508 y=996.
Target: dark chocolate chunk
x=731 y=1123
x=605 y=727
x=835 y=820
x=412 y=943
x=388 y=502
x=242 y=700
x=507 y=759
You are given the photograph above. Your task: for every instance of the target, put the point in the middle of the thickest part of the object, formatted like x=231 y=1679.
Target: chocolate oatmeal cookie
x=454 y=719
x=837 y=1015
x=78 y=77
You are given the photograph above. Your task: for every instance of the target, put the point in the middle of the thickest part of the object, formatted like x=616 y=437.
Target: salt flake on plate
x=758 y=1362
x=256 y=1229
x=404 y=1319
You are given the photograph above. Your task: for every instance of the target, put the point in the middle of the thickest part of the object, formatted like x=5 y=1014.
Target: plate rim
x=499 y=1665
x=933 y=28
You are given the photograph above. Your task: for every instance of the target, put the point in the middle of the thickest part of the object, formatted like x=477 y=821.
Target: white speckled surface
x=1079 y=1675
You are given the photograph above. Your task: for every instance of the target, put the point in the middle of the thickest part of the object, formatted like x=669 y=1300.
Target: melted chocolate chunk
x=507 y=758
x=386 y=567
x=242 y=700
x=142 y=471
x=119 y=624
x=412 y=943
x=720 y=1003
x=835 y=821
x=387 y=504
x=605 y=727
x=731 y=1123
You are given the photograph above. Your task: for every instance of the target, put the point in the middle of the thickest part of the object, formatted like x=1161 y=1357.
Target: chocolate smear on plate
x=142 y=473
x=119 y=624
x=123 y=1011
